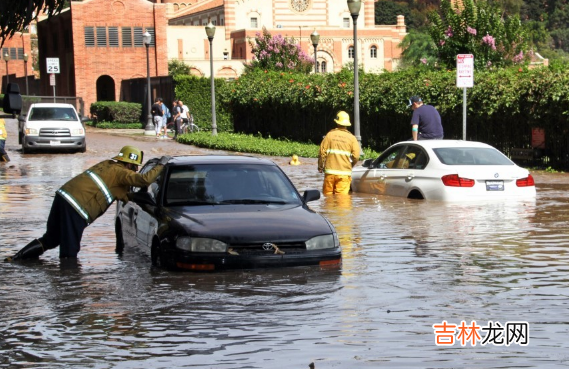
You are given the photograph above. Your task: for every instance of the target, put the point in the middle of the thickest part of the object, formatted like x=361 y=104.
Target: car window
x=53 y=113
x=471 y=156
x=389 y=159
x=221 y=183
x=154 y=187
x=414 y=158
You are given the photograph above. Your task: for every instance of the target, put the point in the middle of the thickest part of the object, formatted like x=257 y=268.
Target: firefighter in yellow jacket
x=339 y=152
x=85 y=198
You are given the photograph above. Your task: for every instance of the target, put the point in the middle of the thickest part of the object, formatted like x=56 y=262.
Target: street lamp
x=26 y=72
x=6 y=59
x=354 y=7
x=315 y=37
x=149 y=129
x=210 y=31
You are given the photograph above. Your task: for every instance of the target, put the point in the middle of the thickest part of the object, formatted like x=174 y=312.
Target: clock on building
x=300 y=5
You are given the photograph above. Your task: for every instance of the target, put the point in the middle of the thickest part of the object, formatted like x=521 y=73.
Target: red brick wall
x=82 y=66
x=16 y=66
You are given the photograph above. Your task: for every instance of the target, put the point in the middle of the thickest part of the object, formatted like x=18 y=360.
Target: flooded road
x=407 y=265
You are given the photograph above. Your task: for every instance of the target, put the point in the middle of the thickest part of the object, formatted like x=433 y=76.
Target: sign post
x=464 y=79
x=52 y=66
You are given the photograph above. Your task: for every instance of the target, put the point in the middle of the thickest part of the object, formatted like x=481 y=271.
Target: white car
x=448 y=170
x=52 y=126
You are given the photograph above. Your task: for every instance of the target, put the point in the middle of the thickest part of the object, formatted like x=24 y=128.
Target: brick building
x=15 y=48
x=99 y=42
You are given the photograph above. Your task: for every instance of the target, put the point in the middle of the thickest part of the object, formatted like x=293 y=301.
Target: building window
x=254 y=23
x=346 y=22
x=126 y=37
x=373 y=52
x=222 y=22
x=89 y=36
x=138 y=37
x=153 y=38
x=21 y=53
x=101 y=36
x=323 y=67
x=214 y=22
x=113 y=37
x=351 y=52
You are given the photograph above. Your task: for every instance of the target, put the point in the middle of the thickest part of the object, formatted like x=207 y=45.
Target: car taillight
x=525 y=182
x=453 y=180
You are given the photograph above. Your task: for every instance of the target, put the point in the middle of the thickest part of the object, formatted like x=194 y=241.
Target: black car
x=206 y=213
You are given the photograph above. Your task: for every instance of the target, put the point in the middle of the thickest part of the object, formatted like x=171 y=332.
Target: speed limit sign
x=52 y=65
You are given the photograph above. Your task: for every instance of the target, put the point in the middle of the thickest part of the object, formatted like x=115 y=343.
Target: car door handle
x=382 y=177
x=410 y=176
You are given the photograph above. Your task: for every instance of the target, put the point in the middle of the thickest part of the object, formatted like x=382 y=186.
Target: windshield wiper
x=253 y=201
x=191 y=202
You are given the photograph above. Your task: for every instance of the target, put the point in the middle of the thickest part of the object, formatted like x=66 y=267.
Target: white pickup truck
x=51 y=126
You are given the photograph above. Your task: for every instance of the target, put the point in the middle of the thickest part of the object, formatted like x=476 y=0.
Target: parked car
x=446 y=170
x=207 y=213
x=52 y=126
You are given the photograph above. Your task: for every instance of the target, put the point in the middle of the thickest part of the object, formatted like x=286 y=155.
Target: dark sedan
x=216 y=212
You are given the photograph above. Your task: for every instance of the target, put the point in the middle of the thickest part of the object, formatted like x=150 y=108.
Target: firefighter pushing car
x=85 y=198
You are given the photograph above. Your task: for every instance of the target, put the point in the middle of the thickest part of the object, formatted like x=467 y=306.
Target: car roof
x=435 y=144
x=52 y=105
x=219 y=159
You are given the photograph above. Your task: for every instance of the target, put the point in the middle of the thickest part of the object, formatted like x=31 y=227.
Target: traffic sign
x=465 y=70
x=52 y=79
x=52 y=65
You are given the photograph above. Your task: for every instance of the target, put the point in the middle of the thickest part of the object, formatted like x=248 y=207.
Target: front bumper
x=54 y=143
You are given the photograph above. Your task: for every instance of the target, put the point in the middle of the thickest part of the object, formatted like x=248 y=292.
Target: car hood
x=249 y=223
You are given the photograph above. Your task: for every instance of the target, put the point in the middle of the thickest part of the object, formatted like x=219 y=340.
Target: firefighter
x=85 y=198
x=339 y=153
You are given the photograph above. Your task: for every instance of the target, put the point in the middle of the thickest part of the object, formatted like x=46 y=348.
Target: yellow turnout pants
x=336 y=184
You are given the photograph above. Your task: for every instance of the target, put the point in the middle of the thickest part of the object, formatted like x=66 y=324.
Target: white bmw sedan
x=448 y=170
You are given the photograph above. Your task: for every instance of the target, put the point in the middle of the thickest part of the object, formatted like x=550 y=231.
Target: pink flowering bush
x=479 y=28
x=278 y=53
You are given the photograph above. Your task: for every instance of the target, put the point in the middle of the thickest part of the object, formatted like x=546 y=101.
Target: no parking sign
x=465 y=70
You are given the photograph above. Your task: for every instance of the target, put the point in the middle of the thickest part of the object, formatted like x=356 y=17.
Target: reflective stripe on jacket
x=93 y=191
x=339 y=151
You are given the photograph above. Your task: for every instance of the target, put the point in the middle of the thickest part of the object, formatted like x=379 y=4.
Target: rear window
x=471 y=156
x=53 y=113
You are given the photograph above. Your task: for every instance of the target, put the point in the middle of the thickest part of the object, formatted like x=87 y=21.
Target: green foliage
x=278 y=53
x=15 y=16
x=418 y=50
x=386 y=11
x=113 y=125
x=195 y=92
x=176 y=67
x=116 y=111
x=256 y=144
x=479 y=28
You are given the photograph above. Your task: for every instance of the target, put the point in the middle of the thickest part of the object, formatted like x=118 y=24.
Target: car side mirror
x=367 y=163
x=141 y=198
x=310 y=195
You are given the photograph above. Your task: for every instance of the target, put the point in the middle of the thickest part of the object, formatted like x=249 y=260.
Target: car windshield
x=471 y=156
x=221 y=184
x=53 y=113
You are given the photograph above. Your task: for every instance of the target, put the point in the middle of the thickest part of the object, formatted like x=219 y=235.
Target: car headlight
x=322 y=242
x=31 y=131
x=78 y=132
x=200 y=244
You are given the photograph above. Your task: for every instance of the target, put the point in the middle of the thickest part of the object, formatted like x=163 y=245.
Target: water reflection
x=407 y=265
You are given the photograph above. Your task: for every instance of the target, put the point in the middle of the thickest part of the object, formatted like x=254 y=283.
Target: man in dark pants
x=85 y=198
x=426 y=121
x=177 y=118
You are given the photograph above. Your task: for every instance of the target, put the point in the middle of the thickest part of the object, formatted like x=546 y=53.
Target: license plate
x=494 y=185
x=55 y=143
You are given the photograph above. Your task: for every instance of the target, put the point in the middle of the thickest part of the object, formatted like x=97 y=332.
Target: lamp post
x=149 y=128
x=26 y=72
x=354 y=7
x=315 y=37
x=210 y=31
x=6 y=59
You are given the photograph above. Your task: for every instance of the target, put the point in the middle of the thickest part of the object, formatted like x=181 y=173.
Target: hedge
x=116 y=112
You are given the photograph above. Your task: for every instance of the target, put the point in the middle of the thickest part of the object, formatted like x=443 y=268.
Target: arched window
x=373 y=52
x=351 y=52
x=323 y=67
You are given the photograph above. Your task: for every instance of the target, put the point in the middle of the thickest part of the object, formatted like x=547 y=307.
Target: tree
x=418 y=49
x=176 y=67
x=16 y=15
x=478 y=28
x=278 y=53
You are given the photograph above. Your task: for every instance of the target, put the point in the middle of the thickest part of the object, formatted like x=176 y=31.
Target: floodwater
x=407 y=265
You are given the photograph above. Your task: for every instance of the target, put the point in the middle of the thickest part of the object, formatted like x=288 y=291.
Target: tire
x=157 y=257
x=20 y=137
x=83 y=149
x=194 y=128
